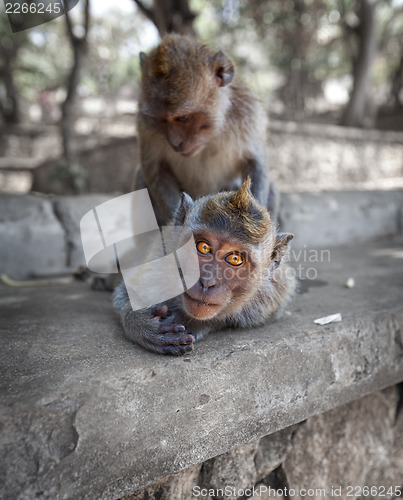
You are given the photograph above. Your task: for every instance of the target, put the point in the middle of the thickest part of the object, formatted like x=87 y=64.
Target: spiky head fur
x=235 y=214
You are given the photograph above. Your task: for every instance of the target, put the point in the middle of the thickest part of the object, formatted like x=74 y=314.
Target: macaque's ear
x=223 y=69
x=143 y=57
x=281 y=247
x=184 y=206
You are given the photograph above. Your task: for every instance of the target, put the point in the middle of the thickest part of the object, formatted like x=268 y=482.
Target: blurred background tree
x=69 y=167
x=10 y=66
x=311 y=49
x=326 y=61
x=308 y=59
x=169 y=16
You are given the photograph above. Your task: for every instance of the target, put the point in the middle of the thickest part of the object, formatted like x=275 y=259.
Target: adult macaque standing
x=201 y=131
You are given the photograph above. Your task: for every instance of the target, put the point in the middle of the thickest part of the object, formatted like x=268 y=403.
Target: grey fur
x=268 y=288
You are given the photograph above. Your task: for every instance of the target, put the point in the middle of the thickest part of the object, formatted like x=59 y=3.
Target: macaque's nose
x=176 y=140
x=178 y=147
x=207 y=282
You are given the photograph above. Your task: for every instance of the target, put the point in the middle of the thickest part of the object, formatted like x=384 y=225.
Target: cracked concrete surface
x=328 y=455
x=86 y=414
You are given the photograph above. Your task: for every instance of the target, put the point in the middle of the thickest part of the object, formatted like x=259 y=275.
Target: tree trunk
x=170 y=16
x=397 y=84
x=69 y=168
x=355 y=113
x=10 y=109
x=69 y=104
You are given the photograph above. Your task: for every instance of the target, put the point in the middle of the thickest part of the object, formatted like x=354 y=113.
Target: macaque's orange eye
x=234 y=259
x=183 y=118
x=203 y=247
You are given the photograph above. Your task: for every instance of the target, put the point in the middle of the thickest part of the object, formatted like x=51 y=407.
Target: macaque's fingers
x=161 y=310
x=178 y=350
x=172 y=339
x=194 y=336
x=173 y=350
x=171 y=328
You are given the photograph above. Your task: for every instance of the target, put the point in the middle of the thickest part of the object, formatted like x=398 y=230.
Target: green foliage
x=113 y=58
x=70 y=174
x=299 y=44
x=44 y=57
x=45 y=61
x=285 y=48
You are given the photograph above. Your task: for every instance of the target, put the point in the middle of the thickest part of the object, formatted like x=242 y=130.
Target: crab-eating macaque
x=244 y=278
x=200 y=129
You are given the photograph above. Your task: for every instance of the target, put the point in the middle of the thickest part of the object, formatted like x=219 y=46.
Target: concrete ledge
x=32 y=238
x=86 y=414
x=18 y=164
x=41 y=234
x=331 y=218
x=40 y=229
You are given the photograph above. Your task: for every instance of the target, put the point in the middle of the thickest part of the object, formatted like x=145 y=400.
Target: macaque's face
x=180 y=80
x=225 y=269
x=187 y=134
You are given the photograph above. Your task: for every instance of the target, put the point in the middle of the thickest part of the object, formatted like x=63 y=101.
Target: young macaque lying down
x=243 y=274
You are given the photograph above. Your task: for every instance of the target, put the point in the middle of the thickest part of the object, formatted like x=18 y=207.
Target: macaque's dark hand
x=167 y=338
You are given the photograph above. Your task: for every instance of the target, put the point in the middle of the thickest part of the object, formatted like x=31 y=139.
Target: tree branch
x=69 y=27
x=149 y=13
x=86 y=17
x=74 y=38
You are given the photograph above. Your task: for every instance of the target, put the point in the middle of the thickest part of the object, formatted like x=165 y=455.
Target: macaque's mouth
x=198 y=309
x=193 y=151
x=200 y=302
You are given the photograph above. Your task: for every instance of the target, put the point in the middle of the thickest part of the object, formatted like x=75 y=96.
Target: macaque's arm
x=164 y=189
x=151 y=328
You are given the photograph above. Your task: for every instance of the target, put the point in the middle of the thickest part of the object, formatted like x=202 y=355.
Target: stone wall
x=314 y=157
x=332 y=455
x=43 y=232
x=29 y=141
x=109 y=168
x=29 y=157
x=300 y=156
